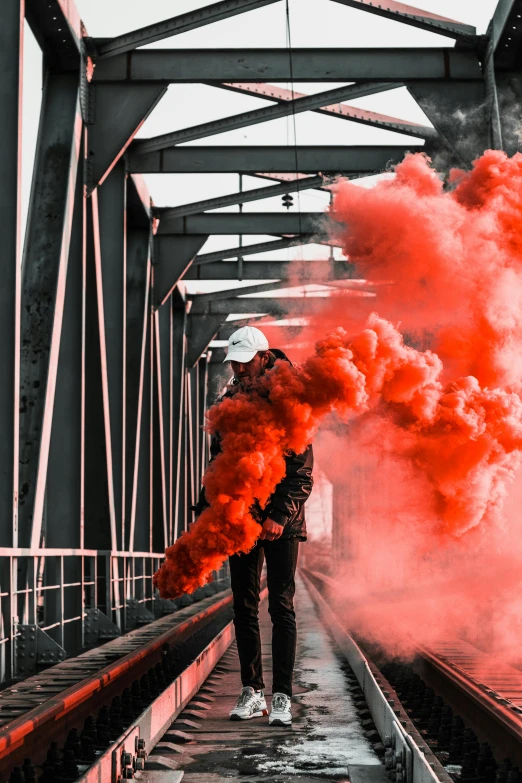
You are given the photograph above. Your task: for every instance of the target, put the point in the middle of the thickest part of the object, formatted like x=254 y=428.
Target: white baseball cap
x=244 y=343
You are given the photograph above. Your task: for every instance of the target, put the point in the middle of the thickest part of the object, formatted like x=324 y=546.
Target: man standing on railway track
x=283 y=526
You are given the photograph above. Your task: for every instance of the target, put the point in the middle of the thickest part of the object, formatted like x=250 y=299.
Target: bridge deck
x=326 y=741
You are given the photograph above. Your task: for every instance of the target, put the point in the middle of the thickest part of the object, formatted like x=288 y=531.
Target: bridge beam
x=242 y=197
x=333 y=159
x=415 y=17
x=258 y=247
x=225 y=223
x=11 y=64
x=303 y=271
x=44 y=276
x=276 y=306
x=177 y=25
x=296 y=104
x=213 y=66
x=116 y=113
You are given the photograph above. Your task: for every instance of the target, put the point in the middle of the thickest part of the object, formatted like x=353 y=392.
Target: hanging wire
x=296 y=154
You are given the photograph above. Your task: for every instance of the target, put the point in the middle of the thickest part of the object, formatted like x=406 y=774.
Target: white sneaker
x=281 y=710
x=251 y=704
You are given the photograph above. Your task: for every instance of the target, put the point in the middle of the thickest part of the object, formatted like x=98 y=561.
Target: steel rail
x=418 y=764
x=486 y=707
x=31 y=732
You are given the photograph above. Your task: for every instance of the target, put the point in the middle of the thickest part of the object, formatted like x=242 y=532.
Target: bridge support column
x=178 y=353
x=11 y=54
x=137 y=386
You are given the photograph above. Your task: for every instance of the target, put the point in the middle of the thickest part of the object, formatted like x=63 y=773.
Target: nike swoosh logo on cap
x=237 y=342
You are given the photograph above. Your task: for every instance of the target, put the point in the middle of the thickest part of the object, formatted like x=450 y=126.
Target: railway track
x=453 y=715
x=85 y=705
x=462 y=706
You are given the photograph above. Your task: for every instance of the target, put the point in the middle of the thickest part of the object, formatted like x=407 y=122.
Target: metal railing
x=55 y=589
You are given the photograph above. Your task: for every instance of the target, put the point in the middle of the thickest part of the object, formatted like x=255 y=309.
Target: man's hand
x=271 y=530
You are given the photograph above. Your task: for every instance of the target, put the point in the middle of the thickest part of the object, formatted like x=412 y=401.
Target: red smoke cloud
x=427 y=441
x=375 y=370
x=414 y=568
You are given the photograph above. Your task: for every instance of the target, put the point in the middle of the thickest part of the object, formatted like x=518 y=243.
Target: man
x=283 y=526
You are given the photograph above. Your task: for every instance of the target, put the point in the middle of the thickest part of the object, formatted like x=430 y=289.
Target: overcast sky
x=321 y=23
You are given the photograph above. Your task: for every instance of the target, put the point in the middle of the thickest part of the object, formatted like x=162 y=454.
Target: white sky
x=322 y=23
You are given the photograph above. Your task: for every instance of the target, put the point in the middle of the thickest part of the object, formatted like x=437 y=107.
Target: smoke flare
x=428 y=441
x=374 y=370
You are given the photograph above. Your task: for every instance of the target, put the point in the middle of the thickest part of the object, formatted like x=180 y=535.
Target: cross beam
x=273 y=65
x=231 y=159
x=241 y=197
x=295 y=104
x=416 y=17
x=260 y=288
x=243 y=223
x=177 y=25
x=302 y=271
x=259 y=247
x=277 y=306
x=288 y=98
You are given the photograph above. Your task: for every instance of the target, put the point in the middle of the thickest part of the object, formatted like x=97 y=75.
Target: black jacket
x=286 y=504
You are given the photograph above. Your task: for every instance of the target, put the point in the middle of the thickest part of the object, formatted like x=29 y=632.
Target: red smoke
x=414 y=567
x=428 y=441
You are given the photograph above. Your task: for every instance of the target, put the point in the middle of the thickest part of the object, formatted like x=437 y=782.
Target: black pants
x=245 y=573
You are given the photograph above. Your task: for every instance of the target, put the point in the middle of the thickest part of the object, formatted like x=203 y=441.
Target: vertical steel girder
x=217 y=372
x=57 y=27
x=137 y=387
x=44 y=275
x=203 y=366
x=178 y=355
x=112 y=217
x=100 y=511
x=64 y=492
x=11 y=65
x=141 y=518
x=159 y=490
x=11 y=60
x=164 y=381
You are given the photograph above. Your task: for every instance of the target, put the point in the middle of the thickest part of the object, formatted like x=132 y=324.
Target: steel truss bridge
x=106 y=365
